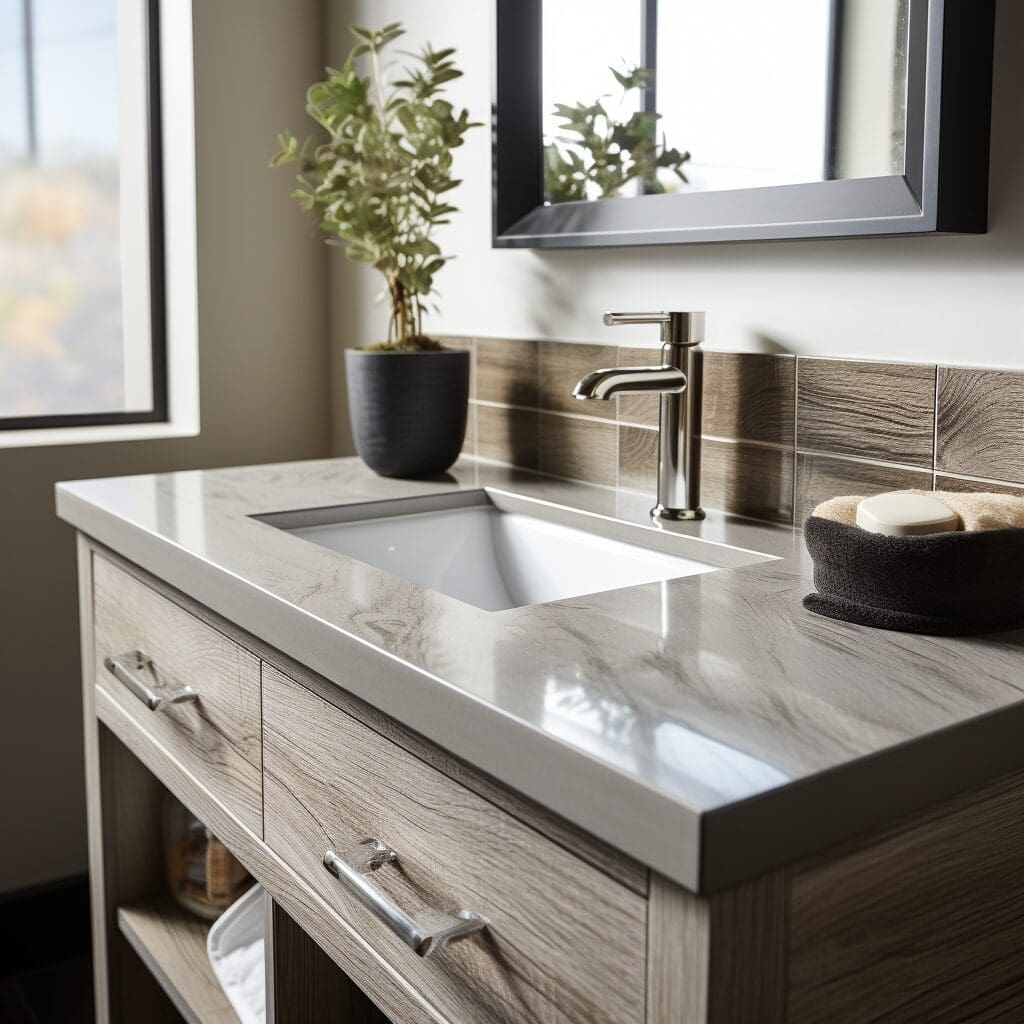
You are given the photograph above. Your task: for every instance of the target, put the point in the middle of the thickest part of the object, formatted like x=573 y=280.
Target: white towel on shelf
x=235 y=946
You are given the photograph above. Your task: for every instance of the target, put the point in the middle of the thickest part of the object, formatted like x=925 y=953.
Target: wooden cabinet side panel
x=678 y=954
x=720 y=959
x=924 y=922
x=308 y=986
x=93 y=812
x=750 y=951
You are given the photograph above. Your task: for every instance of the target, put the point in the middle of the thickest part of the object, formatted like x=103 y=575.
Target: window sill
x=55 y=437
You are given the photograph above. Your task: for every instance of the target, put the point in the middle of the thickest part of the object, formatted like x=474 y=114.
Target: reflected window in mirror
x=643 y=97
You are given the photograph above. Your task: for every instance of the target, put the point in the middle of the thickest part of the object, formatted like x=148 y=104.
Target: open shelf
x=171 y=942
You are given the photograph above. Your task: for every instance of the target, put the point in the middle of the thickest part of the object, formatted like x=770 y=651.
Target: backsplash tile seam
x=637 y=426
x=865 y=461
x=796 y=356
x=551 y=476
x=796 y=434
x=618 y=453
x=863 y=359
x=607 y=422
x=709 y=437
x=543 y=412
x=749 y=441
x=979 y=480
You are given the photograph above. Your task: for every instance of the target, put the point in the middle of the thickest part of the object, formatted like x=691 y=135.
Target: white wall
x=955 y=299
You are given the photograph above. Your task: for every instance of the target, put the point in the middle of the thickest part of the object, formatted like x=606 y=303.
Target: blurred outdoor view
x=61 y=343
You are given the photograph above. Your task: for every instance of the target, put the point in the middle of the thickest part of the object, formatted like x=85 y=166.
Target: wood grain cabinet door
x=142 y=638
x=563 y=942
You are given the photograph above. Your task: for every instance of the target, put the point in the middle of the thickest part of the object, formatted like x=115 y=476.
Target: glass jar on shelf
x=203 y=876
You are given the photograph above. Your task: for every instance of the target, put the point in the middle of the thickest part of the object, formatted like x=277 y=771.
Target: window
x=81 y=235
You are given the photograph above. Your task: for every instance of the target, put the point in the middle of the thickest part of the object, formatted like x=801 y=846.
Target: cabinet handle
x=124 y=666
x=427 y=932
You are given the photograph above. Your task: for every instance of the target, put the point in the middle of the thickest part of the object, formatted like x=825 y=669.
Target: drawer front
x=563 y=942
x=217 y=736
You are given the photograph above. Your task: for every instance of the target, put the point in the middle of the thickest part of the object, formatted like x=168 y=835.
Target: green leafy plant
x=598 y=150
x=380 y=171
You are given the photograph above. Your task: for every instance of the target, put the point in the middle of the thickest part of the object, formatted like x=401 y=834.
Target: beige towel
x=984 y=510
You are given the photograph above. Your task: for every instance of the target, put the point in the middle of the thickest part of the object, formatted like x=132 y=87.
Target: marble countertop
x=709 y=727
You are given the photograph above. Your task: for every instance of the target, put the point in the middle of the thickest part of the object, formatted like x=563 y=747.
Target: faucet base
x=677 y=515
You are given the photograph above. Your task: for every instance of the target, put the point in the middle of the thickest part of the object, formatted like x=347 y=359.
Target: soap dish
x=946 y=584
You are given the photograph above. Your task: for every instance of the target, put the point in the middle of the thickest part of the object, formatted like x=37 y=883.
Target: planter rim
x=438 y=352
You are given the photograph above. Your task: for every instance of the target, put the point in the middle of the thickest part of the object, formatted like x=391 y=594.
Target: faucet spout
x=679 y=383
x=630 y=380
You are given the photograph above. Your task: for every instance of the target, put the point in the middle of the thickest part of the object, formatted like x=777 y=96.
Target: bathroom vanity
x=680 y=799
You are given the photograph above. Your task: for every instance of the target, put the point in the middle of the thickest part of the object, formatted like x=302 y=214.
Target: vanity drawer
x=147 y=646
x=563 y=942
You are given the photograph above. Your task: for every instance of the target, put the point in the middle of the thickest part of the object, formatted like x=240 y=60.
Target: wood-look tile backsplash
x=781 y=433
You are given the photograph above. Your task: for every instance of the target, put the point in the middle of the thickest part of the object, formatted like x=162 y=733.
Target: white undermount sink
x=499 y=551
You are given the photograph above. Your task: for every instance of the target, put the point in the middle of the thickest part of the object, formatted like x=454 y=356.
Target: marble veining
x=635 y=713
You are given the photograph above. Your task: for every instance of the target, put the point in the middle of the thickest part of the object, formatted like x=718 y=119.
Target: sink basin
x=500 y=551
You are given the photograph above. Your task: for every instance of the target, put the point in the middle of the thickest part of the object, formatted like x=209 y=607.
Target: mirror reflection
x=644 y=97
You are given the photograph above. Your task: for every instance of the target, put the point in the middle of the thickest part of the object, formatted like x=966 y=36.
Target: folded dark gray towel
x=947 y=584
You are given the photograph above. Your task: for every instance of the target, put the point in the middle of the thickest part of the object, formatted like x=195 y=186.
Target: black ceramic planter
x=408 y=409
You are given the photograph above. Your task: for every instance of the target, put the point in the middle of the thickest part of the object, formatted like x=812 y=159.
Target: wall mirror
x=638 y=122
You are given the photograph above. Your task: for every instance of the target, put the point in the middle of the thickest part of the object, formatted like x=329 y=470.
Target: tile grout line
x=550 y=476
x=618 y=445
x=796 y=429
x=544 y=412
x=474 y=384
x=752 y=442
x=864 y=460
x=995 y=367
x=982 y=480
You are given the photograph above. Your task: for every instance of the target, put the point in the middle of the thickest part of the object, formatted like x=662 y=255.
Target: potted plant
x=378 y=175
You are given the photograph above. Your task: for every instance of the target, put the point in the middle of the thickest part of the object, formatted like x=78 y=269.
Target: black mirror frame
x=943 y=189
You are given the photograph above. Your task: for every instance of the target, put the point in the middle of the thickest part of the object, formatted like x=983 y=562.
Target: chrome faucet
x=679 y=381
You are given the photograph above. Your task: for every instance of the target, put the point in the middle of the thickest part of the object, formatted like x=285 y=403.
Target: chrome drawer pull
x=425 y=934
x=123 y=668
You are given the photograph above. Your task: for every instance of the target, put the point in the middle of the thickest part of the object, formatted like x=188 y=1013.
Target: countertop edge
x=855 y=798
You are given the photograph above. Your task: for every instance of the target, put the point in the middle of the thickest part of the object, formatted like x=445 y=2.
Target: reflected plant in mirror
x=601 y=150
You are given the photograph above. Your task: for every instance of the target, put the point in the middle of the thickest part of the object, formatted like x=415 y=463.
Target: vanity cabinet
x=287 y=768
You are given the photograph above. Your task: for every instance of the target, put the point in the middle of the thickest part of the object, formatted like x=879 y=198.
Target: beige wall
x=263 y=357
x=952 y=299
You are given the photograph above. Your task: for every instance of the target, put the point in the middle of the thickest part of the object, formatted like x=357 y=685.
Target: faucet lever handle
x=613 y=319
x=677 y=328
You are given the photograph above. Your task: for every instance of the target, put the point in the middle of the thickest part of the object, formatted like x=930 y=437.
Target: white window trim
x=177 y=122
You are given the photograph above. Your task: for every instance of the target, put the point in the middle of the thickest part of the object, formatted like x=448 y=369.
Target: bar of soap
x=905 y=515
